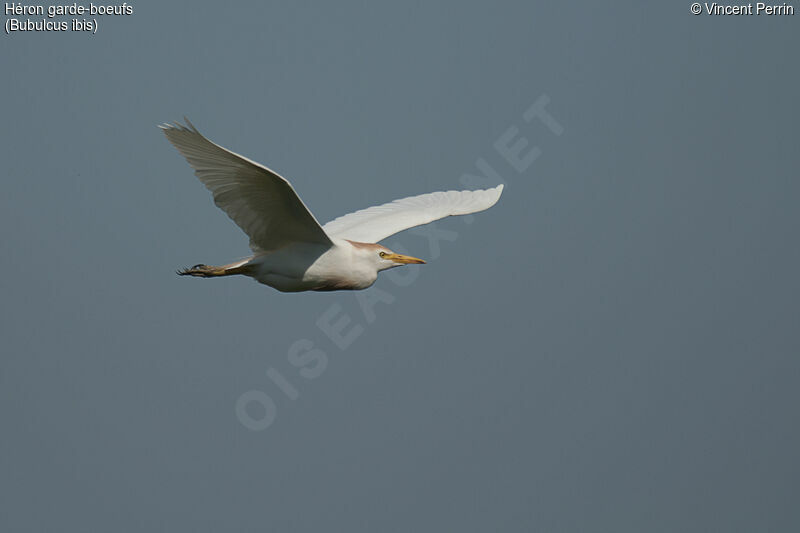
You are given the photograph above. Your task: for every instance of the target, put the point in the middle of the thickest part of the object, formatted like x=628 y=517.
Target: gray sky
x=612 y=347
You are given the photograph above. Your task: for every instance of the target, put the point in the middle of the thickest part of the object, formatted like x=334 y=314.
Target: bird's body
x=345 y=265
x=292 y=252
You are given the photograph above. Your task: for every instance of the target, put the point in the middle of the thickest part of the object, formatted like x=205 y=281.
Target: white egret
x=291 y=251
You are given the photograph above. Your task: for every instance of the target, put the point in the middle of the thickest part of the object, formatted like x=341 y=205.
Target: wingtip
x=189 y=123
x=497 y=192
x=188 y=127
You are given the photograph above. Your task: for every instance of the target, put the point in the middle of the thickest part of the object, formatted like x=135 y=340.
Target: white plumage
x=374 y=224
x=292 y=252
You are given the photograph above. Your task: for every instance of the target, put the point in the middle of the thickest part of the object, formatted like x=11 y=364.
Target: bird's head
x=388 y=259
x=381 y=257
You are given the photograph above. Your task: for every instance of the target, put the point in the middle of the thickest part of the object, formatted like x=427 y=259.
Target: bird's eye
x=382 y=254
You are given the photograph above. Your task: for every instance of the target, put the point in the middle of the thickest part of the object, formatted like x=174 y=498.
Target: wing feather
x=376 y=223
x=257 y=199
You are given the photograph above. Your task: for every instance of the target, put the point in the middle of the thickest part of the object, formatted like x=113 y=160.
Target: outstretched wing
x=260 y=201
x=376 y=223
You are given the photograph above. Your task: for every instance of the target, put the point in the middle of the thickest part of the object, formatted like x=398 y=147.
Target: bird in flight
x=292 y=252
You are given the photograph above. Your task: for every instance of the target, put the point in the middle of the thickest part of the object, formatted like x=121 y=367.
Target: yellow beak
x=404 y=259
